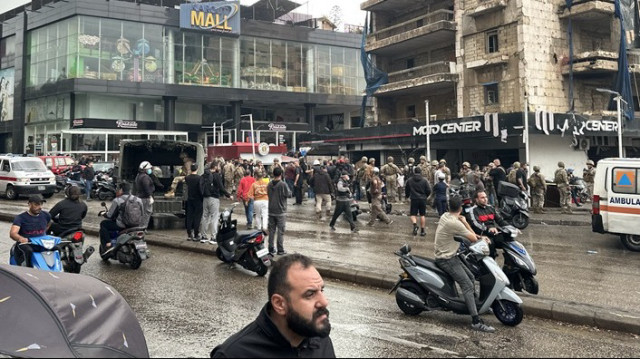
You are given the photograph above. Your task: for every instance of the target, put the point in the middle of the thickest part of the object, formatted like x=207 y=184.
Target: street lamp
x=618 y=100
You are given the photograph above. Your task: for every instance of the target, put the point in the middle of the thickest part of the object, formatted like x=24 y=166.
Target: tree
x=335 y=16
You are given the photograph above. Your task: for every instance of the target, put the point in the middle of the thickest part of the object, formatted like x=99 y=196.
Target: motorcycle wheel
x=631 y=242
x=136 y=262
x=102 y=255
x=260 y=268
x=530 y=284
x=520 y=221
x=69 y=263
x=103 y=195
x=219 y=254
x=407 y=308
x=508 y=313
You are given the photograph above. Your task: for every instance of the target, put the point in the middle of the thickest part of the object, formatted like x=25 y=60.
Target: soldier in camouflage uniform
x=431 y=178
x=425 y=168
x=238 y=173
x=229 y=169
x=561 y=178
x=538 y=190
x=588 y=175
x=408 y=169
x=390 y=172
x=358 y=181
x=446 y=171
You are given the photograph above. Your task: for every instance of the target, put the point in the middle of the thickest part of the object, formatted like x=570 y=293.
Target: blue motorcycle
x=46 y=253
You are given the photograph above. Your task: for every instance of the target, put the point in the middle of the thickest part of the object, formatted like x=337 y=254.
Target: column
x=236 y=112
x=310 y=116
x=169 y=112
x=18 y=135
x=171 y=58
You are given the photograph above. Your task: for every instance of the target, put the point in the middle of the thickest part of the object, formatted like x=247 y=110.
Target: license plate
x=263 y=252
x=141 y=246
x=41 y=188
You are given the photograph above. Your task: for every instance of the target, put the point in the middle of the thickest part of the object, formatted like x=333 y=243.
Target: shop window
x=491 y=94
x=410 y=111
x=7 y=52
x=492 y=41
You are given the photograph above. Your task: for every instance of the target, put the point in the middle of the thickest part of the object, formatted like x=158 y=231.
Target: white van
x=616 y=200
x=21 y=175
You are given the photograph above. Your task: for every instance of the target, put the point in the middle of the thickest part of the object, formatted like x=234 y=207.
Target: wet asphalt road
x=187 y=303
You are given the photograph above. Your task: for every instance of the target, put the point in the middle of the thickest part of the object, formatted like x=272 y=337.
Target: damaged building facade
x=475 y=67
x=77 y=76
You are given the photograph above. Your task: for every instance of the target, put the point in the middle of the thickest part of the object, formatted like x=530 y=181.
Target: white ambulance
x=616 y=200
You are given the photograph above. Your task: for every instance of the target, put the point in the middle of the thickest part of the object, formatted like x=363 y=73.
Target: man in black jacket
x=193 y=208
x=294 y=322
x=87 y=175
x=278 y=192
x=323 y=188
x=211 y=187
x=145 y=189
x=418 y=189
x=68 y=213
x=485 y=221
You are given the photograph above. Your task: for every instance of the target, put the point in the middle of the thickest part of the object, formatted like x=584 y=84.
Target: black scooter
x=515 y=205
x=128 y=246
x=243 y=247
x=103 y=188
x=72 y=254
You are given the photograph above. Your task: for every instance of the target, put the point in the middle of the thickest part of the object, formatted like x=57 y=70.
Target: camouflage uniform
x=538 y=190
x=425 y=169
x=390 y=172
x=562 y=180
x=228 y=177
x=588 y=175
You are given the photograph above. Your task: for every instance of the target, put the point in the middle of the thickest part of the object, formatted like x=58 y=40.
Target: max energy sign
x=220 y=16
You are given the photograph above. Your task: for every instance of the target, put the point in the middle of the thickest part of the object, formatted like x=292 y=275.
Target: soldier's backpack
x=558 y=176
x=132 y=212
x=512 y=176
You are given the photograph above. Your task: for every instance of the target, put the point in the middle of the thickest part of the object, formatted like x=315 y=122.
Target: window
x=492 y=41
x=491 y=94
x=411 y=111
x=625 y=180
x=5 y=166
x=411 y=63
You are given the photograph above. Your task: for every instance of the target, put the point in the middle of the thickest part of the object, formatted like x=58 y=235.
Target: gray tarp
x=46 y=314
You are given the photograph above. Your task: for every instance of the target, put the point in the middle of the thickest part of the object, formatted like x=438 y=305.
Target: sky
x=351 y=13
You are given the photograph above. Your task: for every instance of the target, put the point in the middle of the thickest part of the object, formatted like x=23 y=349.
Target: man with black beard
x=295 y=321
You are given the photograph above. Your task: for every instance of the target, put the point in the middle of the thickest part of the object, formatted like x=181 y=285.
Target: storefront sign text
x=277 y=127
x=449 y=128
x=549 y=123
x=78 y=123
x=221 y=16
x=127 y=124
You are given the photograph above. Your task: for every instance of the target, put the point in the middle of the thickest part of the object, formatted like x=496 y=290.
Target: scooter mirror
x=103 y=204
x=405 y=249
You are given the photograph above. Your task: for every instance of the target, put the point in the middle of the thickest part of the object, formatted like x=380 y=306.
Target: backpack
x=558 y=176
x=132 y=212
x=512 y=176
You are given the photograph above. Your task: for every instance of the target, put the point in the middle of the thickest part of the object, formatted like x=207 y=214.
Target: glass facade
x=108 y=49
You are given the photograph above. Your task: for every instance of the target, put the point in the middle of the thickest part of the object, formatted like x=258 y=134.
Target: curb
x=569 y=312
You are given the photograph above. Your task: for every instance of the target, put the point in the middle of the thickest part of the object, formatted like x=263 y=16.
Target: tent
x=47 y=314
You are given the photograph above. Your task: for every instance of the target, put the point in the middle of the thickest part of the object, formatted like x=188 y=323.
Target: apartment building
x=481 y=68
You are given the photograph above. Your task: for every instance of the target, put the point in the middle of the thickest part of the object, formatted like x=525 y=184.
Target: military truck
x=167 y=158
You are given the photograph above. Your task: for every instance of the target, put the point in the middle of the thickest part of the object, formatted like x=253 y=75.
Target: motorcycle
x=580 y=189
x=423 y=286
x=515 y=205
x=243 y=247
x=45 y=253
x=518 y=264
x=103 y=188
x=71 y=250
x=128 y=246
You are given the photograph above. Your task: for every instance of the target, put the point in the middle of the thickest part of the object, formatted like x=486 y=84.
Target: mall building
x=77 y=76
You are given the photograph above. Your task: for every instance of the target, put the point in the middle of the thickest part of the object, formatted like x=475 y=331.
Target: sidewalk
x=335 y=253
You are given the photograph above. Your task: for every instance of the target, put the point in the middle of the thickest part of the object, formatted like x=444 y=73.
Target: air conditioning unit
x=584 y=144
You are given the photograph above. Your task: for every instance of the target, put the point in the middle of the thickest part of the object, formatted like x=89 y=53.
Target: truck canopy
x=167 y=155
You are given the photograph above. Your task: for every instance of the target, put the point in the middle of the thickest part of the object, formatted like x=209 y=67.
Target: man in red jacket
x=243 y=195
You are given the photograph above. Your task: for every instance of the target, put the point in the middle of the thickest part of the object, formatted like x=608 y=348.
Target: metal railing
x=415 y=23
x=444 y=67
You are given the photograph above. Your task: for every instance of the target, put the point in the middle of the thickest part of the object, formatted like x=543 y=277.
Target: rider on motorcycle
x=68 y=213
x=32 y=223
x=114 y=220
x=486 y=221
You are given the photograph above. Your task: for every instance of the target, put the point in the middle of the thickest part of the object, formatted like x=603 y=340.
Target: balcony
x=386 y=5
x=589 y=10
x=486 y=7
x=593 y=63
x=420 y=79
x=437 y=27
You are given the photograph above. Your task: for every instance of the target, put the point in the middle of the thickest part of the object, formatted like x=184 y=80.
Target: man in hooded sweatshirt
x=417 y=189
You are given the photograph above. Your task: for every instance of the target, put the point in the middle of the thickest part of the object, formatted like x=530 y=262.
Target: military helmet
x=423 y=158
x=590 y=162
x=561 y=164
x=411 y=160
x=536 y=168
x=443 y=161
x=364 y=159
x=516 y=164
x=434 y=163
x=389 y=159
x=372 y=160
x=466 y=164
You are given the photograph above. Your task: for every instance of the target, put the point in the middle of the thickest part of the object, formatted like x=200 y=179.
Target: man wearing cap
x=425 y=168
x=32 y=223
x=343 y=203
x=466 y=174
x=376 y=200
x=538 y=190
x=588 y=175
x=561 y=178
x=390 y=172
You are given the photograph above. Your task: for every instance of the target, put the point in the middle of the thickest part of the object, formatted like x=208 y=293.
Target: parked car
x=57 y=164
x=21 y=175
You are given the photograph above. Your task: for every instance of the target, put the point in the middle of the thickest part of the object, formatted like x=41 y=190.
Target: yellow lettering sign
x=197 y=18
